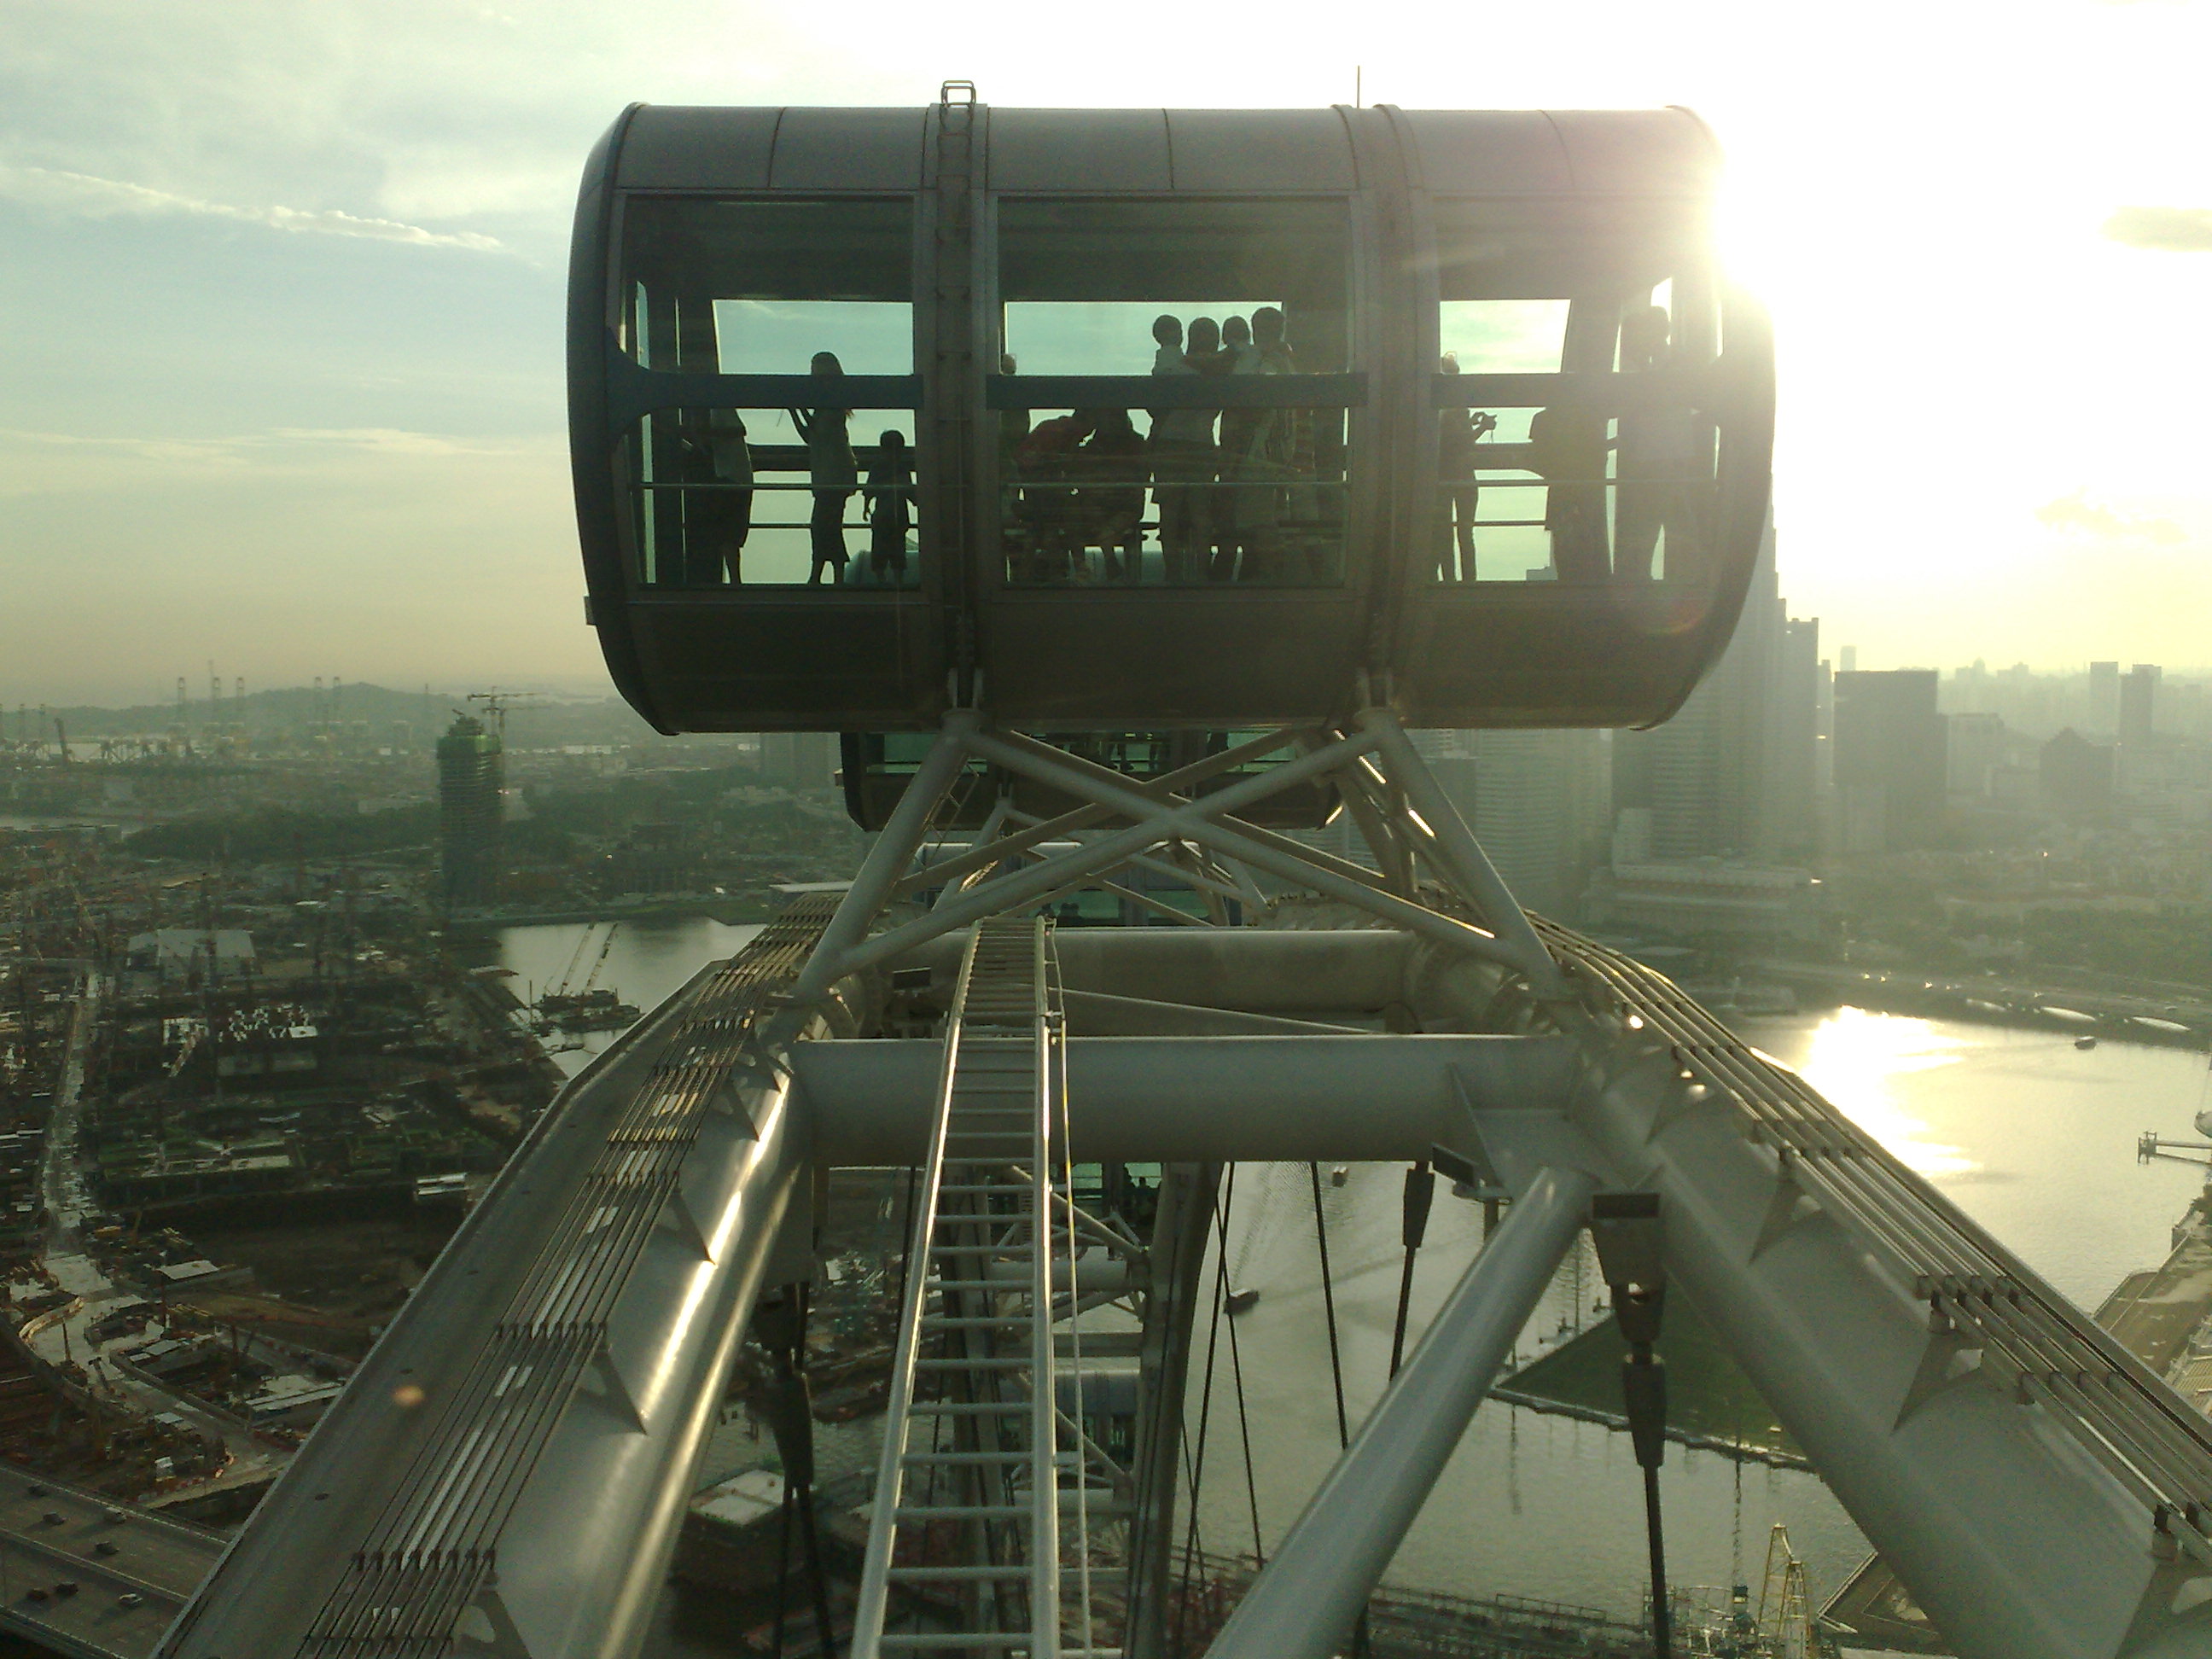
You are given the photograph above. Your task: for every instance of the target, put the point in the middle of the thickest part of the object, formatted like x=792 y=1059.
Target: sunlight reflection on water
x=1854 y=1059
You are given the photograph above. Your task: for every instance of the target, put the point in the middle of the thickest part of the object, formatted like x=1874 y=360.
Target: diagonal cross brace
x=987 y=852
x=1190 y=820
x=1196 y=821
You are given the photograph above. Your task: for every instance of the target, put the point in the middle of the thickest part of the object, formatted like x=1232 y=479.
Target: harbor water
x=2033 y=1137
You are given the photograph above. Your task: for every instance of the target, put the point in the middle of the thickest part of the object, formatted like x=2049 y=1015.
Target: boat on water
x=599 y=1010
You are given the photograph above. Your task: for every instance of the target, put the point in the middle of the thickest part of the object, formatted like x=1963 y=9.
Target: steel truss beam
x=1157 y=815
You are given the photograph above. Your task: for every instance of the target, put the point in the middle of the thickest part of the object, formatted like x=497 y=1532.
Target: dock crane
x=599 y=960
x=575 y=961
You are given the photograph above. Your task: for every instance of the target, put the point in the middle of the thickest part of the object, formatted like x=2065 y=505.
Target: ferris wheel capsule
x=1148 y=420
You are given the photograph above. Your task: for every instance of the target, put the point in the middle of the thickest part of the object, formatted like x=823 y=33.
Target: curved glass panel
x=1162 y=295
x=1569 y=443
x=773 y=497
x=785 y=296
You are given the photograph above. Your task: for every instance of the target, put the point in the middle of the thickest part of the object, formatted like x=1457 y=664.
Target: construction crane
x=599 y=960
x=575 y=961
x=496 y=703
x=1785 y=1620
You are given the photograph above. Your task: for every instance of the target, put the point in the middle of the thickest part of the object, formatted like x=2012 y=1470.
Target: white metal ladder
x=966 y=1522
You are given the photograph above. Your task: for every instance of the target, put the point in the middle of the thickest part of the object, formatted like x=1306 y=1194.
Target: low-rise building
x=1713 y=898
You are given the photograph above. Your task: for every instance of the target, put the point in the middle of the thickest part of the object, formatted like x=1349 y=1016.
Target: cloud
x=2167 y=229
x=83 y=194
x=63 y=463
x=2076 y=514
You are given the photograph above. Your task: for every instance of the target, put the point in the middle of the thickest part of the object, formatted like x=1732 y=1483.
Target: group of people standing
x=1234 y=489
x=717 y=520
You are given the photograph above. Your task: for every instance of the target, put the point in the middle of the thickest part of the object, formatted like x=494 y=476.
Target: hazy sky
x=282 y=381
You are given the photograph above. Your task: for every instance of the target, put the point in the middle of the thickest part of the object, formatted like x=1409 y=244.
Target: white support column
x=1066 y=825
x=1192 y=819
x=1305 y=1600
x=887 y=860
x=994 y=826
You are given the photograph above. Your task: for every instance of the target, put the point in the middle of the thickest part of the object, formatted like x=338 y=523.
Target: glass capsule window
x=1571 y=445
x=1138 y=439
x=781 y=473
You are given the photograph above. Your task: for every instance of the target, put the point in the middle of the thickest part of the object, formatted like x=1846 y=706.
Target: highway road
x=132 y=1571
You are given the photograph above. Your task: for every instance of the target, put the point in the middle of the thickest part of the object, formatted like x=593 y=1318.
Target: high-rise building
x=1538 y=801
x=2105 y=699
x=1733 y=775
x=472 y=773
x=1977 y=751
x=802 y=762
x=2076 y=775
x=1890 y=757
x=1541 y=808
x=2138 y=706
x=1796 y=723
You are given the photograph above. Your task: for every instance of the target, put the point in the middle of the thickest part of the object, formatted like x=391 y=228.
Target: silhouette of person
x=1181 y=447
x=1657 y=460
x=717 y=520
x=832 y=471
x=1456 y=431
x=1250 y=521
x=887 y=507
x=1297 y=508
x=1205 y=355
x=1047 y=461
x=1112 y=496
x=1567 y=447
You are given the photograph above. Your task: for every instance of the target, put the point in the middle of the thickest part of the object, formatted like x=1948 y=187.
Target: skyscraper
x=2076 y=775
x=1890 y=758
x=1976 y=750
x=2138 y=706
x=1732 y=774
x=2105 y=699
x=1538 y=801
x=472 y=772
x=803 y=761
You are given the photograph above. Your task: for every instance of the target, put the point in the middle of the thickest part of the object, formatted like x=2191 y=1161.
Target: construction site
x=242 y=1106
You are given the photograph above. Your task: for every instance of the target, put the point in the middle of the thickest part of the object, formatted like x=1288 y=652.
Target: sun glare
x=1853 y=1059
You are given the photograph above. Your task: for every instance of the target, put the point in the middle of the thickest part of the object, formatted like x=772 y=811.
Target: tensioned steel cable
x=1244 y=1420
x=1974 y=1287
x=1196 y=1471
x=1328 y=1309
